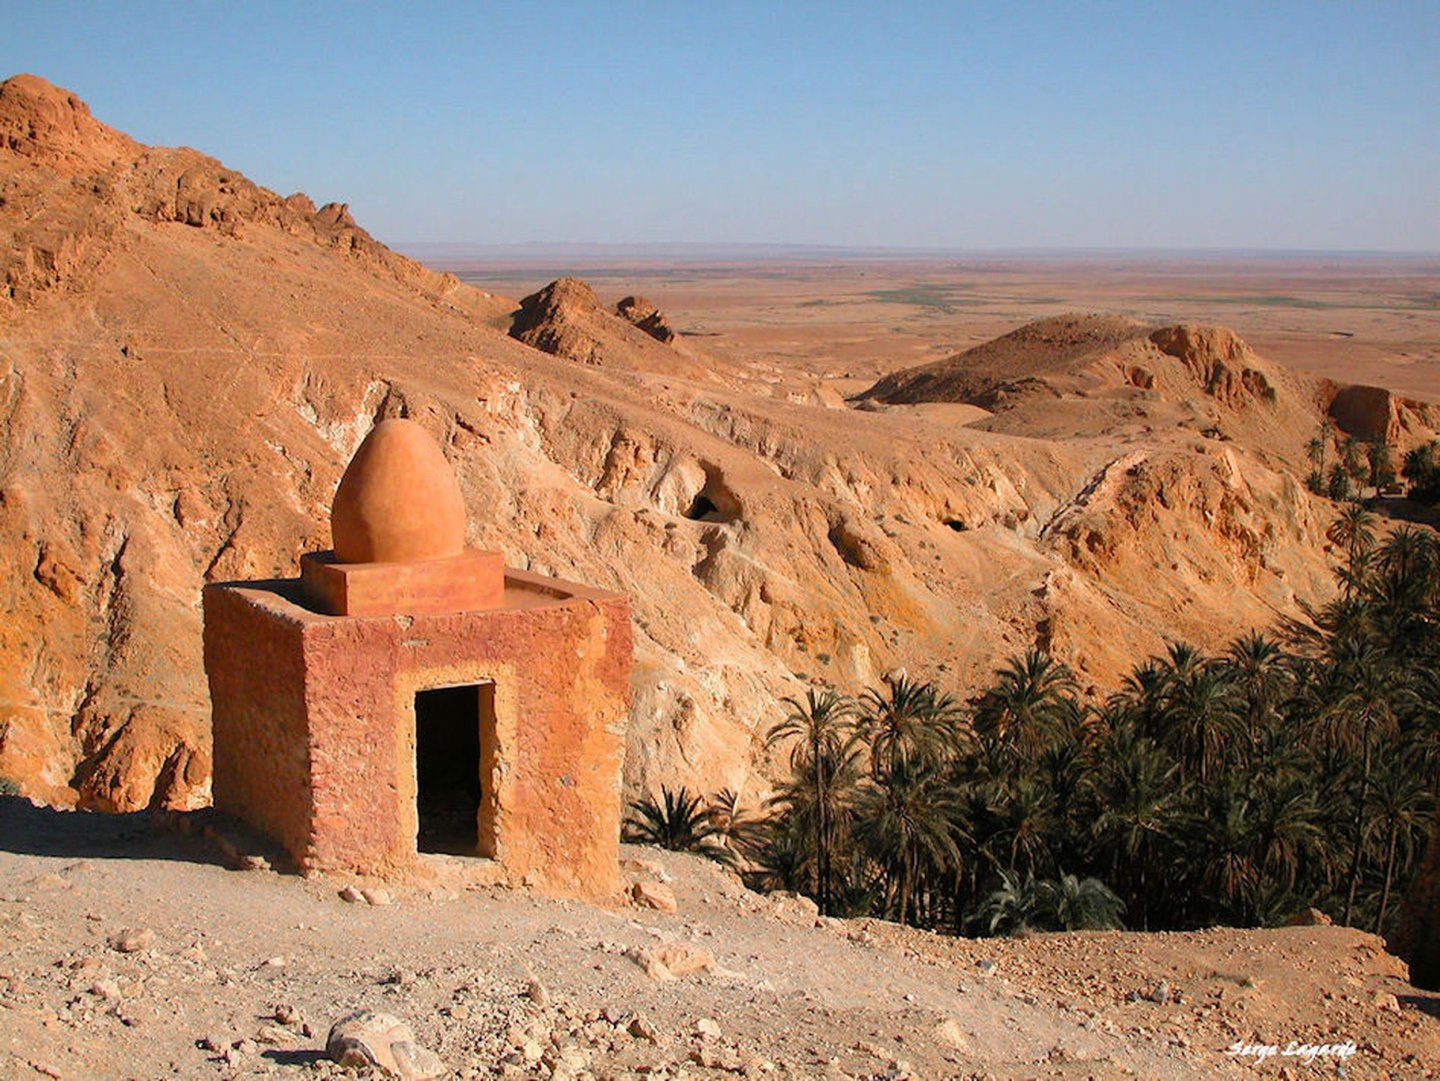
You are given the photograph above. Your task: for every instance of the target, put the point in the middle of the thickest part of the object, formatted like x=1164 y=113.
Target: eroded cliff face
x=189 y=360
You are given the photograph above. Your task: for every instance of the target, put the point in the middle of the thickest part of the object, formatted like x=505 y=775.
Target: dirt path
x=503 y=984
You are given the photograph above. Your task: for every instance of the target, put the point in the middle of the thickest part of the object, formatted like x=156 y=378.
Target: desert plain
x=857 y=316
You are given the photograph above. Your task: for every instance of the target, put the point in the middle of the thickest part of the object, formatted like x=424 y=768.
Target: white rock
x=951 y=1034
x=107 y=989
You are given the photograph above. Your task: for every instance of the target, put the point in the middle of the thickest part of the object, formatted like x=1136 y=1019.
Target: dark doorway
x=450 y=724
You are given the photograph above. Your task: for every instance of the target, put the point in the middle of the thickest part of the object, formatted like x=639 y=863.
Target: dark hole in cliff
x=956 y=524
x=451 y=724
x=702 y=510
x=848 y=546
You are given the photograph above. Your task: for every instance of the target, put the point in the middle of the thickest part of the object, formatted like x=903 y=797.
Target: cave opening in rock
x=453 y=725
x=956 y=524
x=702 y=510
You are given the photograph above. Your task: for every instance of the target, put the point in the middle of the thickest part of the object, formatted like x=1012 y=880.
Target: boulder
x=671 y=961
x=654 y=895
x=383 y=1043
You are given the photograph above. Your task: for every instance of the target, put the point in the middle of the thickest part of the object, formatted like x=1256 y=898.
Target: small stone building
x=408 y=699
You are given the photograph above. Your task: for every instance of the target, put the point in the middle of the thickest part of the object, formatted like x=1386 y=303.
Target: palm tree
x=1071 y=903
x=1356 y=463
x=1338 y=485
x=1413 y=555
x=1260 y=662
x=1028 y=705
x=1262 y=679
x=1200 y=716
x=1141 y=698
x=1181 y=661
x=1421 y=469
x=1318 y=445
x=1288 y=827
x=820 y=725
x=907 y=822
x=823 y=753
x=1353 y=531
x=1009 y=908
x=907 y=721
x=785 y=861
x=1403 y=808
x=1404 y=587
x=1381 y=462
x=1066 y=903
x=1134 y=788
x=1369 y=696
x=1029 y=814
x=1220 y=836
x=1061 y=770
x=738 y=830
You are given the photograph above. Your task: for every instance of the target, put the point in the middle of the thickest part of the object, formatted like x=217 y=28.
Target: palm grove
x=1239 y=788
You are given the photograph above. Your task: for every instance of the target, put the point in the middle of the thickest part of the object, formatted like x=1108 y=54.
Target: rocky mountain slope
x=187 y=361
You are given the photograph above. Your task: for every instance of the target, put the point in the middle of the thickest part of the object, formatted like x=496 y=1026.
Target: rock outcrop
x=87 y=182
x=566 y=320
x=643 y=314
x=1064 y=354
x=1218 y=361
x=53 y=127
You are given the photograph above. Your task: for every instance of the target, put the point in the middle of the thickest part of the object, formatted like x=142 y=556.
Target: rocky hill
x=189 y=359
x=567 y=320
x=1073 y=373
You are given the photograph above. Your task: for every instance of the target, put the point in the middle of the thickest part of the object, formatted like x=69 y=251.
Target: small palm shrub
x=1008 y=909
x=1071 y=903
x=1067 y=903
x=680 y=822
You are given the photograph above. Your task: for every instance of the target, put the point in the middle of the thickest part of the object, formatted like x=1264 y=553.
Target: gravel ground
x=126 y=952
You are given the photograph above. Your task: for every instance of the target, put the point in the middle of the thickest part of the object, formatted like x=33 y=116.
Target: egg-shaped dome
x=399 y=501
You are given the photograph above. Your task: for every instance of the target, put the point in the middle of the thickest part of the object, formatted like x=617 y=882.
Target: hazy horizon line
x=760 y=249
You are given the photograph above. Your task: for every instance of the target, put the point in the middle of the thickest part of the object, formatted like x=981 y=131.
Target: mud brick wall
x=346 y=746
x=255 y=665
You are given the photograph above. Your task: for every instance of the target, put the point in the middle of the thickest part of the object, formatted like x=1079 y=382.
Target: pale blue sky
x=1173 y=125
